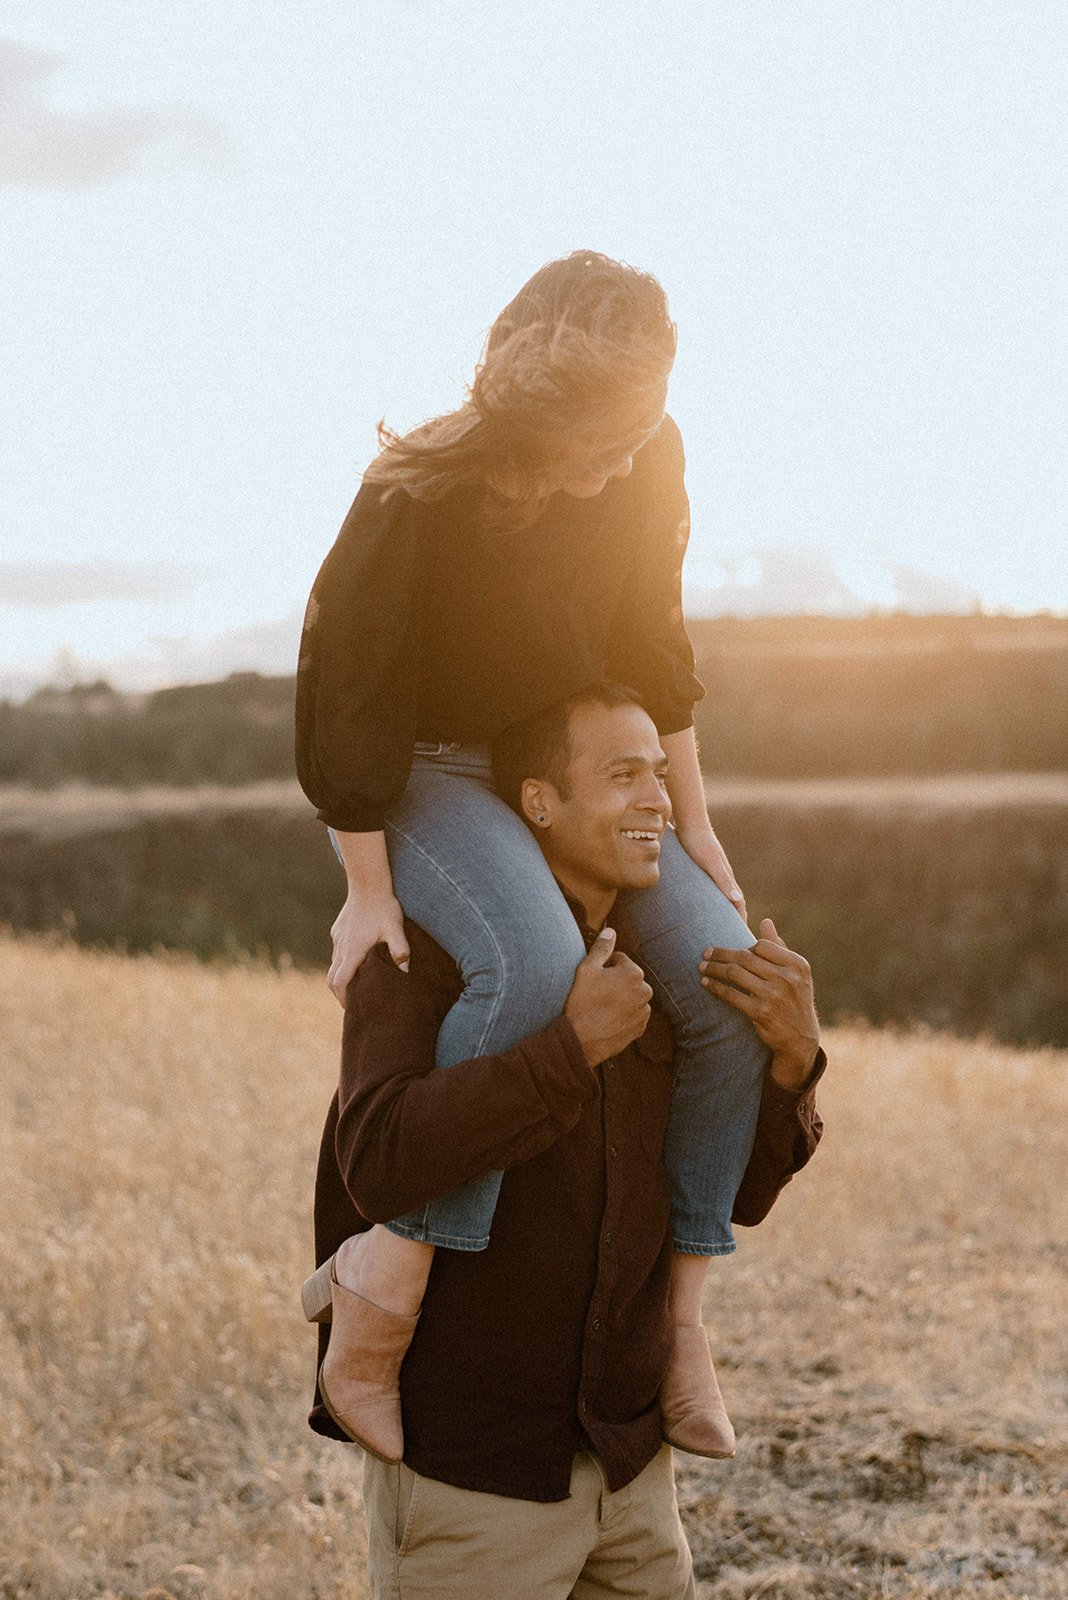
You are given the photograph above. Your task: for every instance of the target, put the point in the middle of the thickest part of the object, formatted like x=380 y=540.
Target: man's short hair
x=540 y=746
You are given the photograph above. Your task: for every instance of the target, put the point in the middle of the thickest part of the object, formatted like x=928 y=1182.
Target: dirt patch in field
x=850 y=1495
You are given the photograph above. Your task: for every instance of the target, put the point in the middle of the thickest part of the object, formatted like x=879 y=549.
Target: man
x=534 y=1466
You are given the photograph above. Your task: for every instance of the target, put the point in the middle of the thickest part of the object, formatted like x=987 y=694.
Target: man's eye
x=624 y=772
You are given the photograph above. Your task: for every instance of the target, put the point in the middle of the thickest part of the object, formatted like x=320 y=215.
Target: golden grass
x=891 y=1340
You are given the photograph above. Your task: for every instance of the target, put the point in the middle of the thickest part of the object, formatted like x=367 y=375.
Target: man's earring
x=541 y=816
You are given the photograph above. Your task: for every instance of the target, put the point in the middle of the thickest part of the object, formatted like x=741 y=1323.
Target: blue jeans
x=469 y=871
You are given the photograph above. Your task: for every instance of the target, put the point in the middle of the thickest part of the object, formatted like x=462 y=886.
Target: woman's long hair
x=585 y=347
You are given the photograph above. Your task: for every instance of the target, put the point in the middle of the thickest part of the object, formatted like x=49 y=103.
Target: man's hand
x=608 y=1006
x=773 y=986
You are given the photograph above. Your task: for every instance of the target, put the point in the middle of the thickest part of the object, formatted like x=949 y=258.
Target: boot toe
x=695 y=1417
x=360 y=1376
x=374 y=1423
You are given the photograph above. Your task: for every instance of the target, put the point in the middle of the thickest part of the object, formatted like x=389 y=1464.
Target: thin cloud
x=776 y=581
x=795 y=579
x=44 y=148
x=47 y=585
x=266 y=647
x=916 y=590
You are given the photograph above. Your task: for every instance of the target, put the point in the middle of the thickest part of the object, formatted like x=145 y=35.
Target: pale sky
x=234 y=235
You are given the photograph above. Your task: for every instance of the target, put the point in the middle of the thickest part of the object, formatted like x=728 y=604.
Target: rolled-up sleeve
x=788 y=1130
x=648 y=646
x=358 y=670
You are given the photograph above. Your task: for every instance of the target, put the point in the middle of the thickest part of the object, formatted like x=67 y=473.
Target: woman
x=496 y=560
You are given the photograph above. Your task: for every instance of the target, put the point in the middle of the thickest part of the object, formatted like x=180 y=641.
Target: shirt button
x=596 y=1324
x=612 y=1151
x=608 y=1238
x=608 y=1064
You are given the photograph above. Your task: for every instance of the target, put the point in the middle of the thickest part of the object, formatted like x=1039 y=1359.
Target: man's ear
x=536 y=798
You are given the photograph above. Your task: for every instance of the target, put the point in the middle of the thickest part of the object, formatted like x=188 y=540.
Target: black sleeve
x=358 y=668
x=649 y=647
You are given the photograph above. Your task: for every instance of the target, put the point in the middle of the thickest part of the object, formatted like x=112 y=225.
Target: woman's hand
x=702 y=846
x=371 y=914
x=362 y=923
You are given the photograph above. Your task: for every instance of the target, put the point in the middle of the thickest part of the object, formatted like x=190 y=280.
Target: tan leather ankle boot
x=359 y=1379
x=695 y=1418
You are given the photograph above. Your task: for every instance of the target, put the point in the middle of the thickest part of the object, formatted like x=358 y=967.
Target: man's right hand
x=359 y=926
x=608 y=1006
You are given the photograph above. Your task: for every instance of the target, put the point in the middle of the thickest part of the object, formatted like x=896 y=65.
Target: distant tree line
x=236 y=731
x=847 y=703
x=790 y=697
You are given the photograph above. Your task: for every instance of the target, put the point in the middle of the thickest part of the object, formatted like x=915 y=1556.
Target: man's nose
x=656 y=799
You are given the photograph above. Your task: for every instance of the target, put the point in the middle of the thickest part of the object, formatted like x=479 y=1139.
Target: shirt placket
x=614 y=1130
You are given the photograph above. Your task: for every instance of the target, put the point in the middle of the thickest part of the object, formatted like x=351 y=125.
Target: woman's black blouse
x=424 y=625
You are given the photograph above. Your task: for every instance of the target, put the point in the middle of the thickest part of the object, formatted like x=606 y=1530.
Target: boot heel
x=315 y=1294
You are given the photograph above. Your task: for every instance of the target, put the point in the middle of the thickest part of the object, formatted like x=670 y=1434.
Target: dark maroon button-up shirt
x=555 y=1337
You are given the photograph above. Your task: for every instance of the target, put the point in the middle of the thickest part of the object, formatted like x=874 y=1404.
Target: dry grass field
x=892 y=1340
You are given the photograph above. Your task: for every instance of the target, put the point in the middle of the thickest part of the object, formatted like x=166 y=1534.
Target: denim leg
x=469 y=872
x=719 y=1063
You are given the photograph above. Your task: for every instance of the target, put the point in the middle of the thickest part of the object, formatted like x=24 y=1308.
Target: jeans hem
x=444 y=1241
x=685 y=1247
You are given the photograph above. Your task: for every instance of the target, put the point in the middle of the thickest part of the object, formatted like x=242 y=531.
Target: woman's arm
x=357 y=671
x=355 y=711
x=651 y=649
x=648 y=646
x=371 y=914
x=686 y=786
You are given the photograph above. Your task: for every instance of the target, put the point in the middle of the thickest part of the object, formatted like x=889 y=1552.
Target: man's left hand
x=773 y=986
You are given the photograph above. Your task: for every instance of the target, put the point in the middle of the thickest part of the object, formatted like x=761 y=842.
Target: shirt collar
x=617 y=919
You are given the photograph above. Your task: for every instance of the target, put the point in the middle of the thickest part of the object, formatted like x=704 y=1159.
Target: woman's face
x=580 y=462
x=582 y=466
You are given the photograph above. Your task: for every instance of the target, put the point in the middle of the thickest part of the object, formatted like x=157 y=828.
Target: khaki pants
x=430 y=1541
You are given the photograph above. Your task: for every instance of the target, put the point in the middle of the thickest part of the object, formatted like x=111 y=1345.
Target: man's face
x=605 y=835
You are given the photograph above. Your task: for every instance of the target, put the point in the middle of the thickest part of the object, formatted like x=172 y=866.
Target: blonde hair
x=585 y=347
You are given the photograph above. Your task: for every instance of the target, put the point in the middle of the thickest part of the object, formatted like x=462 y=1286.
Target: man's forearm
x=409 y=1133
